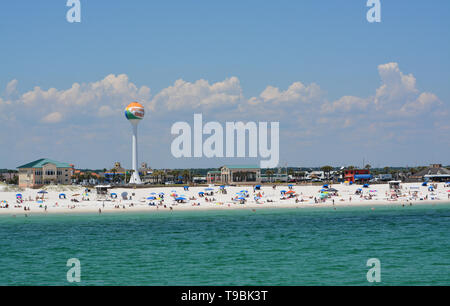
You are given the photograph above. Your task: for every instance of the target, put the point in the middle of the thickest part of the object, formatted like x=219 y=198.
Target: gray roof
x=433 y=171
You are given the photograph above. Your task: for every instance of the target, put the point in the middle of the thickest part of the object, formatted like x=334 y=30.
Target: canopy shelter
x=62 y=196
x=102 y=191
x=394 y=184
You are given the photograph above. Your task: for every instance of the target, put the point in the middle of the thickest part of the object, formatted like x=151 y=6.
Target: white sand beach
x=77 y=200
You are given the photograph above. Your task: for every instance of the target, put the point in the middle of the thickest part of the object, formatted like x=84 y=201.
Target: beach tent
x=325 y=186
x=201 y=192
x=62 y=196
x=366 y=186
x=113 y=195
x=283 y=191
x=424 y=184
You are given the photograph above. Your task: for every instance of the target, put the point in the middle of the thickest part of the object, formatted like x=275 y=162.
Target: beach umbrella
x=153 y=193
x=42 y=192
x=283 y=191
x=241 y=198
x=161 y=193
x=325 y=186
x=366 y=186
x=222 y=187
x=424 y=184
x=151 y=198
x=291 y=192
x=180 y=199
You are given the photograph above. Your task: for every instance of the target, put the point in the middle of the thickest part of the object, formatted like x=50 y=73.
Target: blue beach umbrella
x=180 y=199
x=241 y=198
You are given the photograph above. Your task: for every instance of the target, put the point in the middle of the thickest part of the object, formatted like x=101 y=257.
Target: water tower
x=135 y=113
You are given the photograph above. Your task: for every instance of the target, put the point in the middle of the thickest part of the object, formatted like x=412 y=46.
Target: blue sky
x=263 y=44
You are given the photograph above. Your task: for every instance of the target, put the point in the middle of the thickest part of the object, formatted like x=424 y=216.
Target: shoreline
x=78 y=200
x=184 y=208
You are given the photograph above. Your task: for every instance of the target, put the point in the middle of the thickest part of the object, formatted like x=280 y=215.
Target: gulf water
x=302 y=246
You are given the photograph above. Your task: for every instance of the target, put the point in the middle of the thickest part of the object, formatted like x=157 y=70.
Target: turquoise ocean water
x=312 y=246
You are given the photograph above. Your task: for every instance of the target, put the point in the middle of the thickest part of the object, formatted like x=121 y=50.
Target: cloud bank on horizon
x=84 y=124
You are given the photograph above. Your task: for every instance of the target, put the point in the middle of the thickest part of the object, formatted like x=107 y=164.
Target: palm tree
x=186 y=176
x=270 y=174
x=368 y=167
x=327 y=170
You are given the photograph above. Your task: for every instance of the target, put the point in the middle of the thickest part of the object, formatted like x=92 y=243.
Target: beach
x=74 y=199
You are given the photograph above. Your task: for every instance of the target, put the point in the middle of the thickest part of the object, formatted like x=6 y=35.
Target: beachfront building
x=44 y=171
x=240 y=174
x=213 y=177
x=357 y=175
x=434 y=173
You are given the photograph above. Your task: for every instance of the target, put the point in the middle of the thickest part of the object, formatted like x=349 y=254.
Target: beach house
x=44 y=171
x=434 y=172
x=245 y=174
